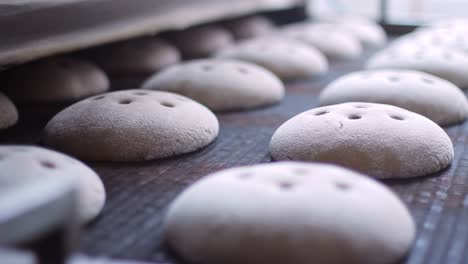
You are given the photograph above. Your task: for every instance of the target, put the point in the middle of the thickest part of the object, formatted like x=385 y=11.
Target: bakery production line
x=213 y=131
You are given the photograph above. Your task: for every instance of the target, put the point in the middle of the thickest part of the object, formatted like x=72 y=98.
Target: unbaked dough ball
x=137 y=56
x=132 y=125
x=455 y=24
x=20 y=164
x=331 y=40
x=288 y=212
x=201 y=41
x=250 y=27
x=425 y=94
x=367 y=31
x=287 y=58
x=435 y=37
x=8 y=112
x=54 y=80
x=221 y=85
x=445 y=63
x=381 y=140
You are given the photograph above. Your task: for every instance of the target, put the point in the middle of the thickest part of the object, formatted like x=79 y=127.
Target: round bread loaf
x=138 y=56
x=8 y=112
x=287 y=58
x=288 y=212
x=328 y=38
x=434 y=37
x=381 y=140
x=250 y=27
x=20 y=164
x=443 y=62
x=425 y=94
x=221 y=85
x=132 y=125
x=201 y=41
x=456 y=24
x=54 y=80
x=367 y=31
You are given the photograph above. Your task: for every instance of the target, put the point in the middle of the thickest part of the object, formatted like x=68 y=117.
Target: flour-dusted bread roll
x=367 y=31
x=54 y=80
x=19 y=164
x=436 y=37
x=137 y=56
x=454 y=24
x=132 y=125
x=425 y=94
x=445 y=63
x=201 y=41
x=221 y=85
x=380 y=140
x=287 y=58
x=250 y=27
x=288 y=212
x=453 y=39
x=8 y=112
x=331 y=40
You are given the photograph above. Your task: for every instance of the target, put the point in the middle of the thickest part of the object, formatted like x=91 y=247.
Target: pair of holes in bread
x=352 y=116
x=358 y=116
x=129 y=101
x=396 y=79
x=123 y=101
x=163 y=103
x=287 y=185
x=208 y=68
x=423 y=79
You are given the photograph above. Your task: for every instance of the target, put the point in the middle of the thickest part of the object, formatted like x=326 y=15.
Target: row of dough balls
x=179 y=124
x=378 y=139
x=125 y=125
x=291 y=52
x=385 y=121
x=56 y=80
x=332 y=134
x=439 y=49
x=52 y=80
x=382 y=140
x=372 y=226
x=336 y=133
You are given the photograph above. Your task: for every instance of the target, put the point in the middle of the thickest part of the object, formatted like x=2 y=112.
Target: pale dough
x=295 y=213
x=333 y=41
x=443 y=62
x=287 y=58
x=423 y=93
x=54 y=80
x=21 y=164
x=380 y=140
x=132 y=125
x=221 y=85
x=137 y=56
x=8 y=112
x=201 y=41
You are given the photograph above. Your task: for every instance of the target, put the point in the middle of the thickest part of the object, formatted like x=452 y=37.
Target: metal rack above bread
x=33 y=29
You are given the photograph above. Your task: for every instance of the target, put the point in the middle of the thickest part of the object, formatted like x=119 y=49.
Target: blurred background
x=396 y=11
